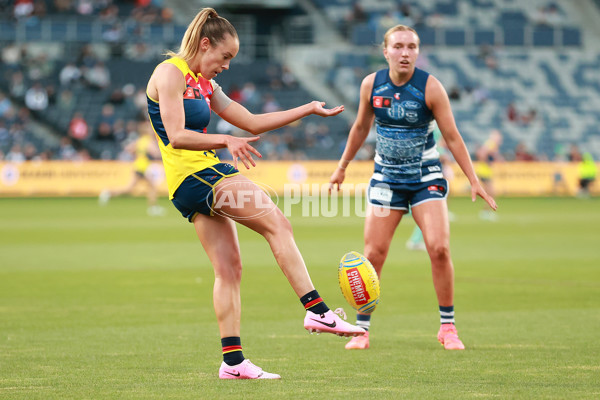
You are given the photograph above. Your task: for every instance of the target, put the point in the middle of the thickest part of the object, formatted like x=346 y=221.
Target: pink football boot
x=244 y=370
x=448 y=337
x=331 y=323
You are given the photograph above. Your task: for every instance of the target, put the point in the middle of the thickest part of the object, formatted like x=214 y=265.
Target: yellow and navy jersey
x=142 y=159
x=180 y=163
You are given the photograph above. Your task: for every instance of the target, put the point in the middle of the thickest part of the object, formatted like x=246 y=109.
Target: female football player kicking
x=404 y=101
x=212 y=195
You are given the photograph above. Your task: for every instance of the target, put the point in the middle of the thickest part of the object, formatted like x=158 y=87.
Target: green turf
x=108 y=303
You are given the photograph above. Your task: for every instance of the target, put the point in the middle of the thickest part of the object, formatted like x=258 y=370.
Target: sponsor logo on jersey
x=396 y=111
x=411 y=105
x=192 y=93
x=397 y=96
x=436 y=189
x=382 y=102
x=411 y=116
x=197 y=90
x=382 y=88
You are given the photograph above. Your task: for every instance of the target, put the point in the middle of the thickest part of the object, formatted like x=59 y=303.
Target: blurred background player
x=487 y=155
x=404 y=101
x=587 y=171
x=144 y=149
x=181 y=95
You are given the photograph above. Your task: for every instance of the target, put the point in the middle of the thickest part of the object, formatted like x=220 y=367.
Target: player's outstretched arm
x=238 y=115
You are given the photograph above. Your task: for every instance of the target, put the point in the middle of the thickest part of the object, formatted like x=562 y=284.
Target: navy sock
x=314 y=303
x=447 y=315
x=232 y=350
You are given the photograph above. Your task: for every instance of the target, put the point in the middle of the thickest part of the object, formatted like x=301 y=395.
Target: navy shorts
x=397 y=196
x=197 y=192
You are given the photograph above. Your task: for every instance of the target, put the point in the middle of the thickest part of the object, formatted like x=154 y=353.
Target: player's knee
x=377 y=256
x=439 y=252
x=233 y=274
x=230 y=270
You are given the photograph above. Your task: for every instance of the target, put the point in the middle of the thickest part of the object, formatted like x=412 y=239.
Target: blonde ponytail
x=207 y=23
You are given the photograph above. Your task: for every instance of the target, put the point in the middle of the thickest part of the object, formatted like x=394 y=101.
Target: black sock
x=232 y=350
x=314 y=303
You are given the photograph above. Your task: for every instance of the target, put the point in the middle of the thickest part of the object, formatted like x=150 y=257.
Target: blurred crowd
x=412 y=14
x=37 y=84
x=143 y=11
x=53 y=89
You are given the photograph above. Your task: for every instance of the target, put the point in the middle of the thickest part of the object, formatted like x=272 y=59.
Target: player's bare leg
x=432 y=218
x=243 y=201
x=248 y=205
x=380 y=225
x=224 y=255
x=218 y=236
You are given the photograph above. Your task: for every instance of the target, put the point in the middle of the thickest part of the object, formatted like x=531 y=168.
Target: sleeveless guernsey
x=179 y=163
x=405 y=150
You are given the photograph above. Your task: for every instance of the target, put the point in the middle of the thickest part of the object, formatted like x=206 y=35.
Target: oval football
x=359 y=282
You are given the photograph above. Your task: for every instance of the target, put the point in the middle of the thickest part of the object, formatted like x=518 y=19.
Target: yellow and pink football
x=359 y=282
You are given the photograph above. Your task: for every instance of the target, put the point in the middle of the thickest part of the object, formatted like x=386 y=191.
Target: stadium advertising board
x=63 y=178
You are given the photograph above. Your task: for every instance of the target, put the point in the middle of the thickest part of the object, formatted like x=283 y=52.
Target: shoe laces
x=340 y=311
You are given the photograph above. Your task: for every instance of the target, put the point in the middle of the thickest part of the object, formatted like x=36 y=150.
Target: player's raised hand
x=241 y=148
x=319 y=109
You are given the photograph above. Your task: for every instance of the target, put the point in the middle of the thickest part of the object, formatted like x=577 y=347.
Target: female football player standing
x=404 y=101
x=212 y=195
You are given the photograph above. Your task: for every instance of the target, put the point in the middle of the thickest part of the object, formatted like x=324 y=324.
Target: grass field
x=108 y=303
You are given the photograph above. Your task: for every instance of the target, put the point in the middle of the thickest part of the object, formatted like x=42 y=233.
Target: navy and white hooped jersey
x=406 y=150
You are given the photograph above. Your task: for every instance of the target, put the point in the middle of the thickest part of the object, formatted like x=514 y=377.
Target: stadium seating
x=537 y=65
x=561 y=87
x=493 y=52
